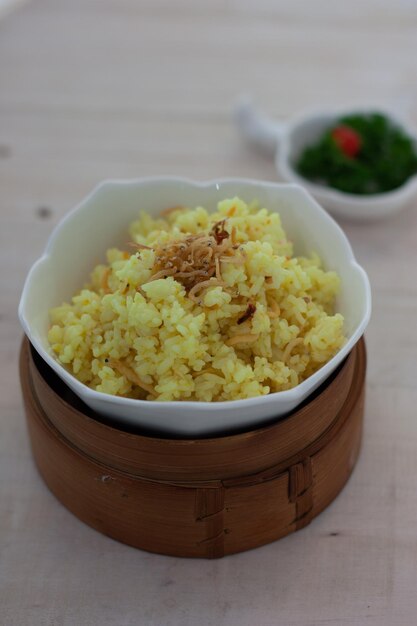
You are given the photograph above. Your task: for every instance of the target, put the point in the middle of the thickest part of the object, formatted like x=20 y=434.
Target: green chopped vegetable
x=361 y=154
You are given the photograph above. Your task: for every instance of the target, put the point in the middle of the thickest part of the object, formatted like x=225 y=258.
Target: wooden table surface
x=91 y=89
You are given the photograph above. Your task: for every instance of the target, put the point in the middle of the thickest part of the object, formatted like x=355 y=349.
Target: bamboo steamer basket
x=195 y=498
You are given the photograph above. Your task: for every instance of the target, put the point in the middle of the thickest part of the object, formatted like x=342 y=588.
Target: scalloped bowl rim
x=299 y=392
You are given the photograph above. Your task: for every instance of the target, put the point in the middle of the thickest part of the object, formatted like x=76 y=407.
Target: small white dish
x=101 y=221
x=287 y=141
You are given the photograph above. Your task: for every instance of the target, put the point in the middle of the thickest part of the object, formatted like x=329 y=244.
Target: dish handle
x=257 y=128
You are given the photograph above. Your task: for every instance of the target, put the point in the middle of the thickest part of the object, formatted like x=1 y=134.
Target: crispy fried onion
x=237 y=339
x=290 y=347
x=194 y=261
x=131 y=375
x=275 y=310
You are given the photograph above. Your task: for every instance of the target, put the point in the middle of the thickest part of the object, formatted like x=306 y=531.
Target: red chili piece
x=219 y=232
x=348 y=140
x=251 y=308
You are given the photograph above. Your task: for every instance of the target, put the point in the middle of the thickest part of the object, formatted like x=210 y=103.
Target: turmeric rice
x=201 y=306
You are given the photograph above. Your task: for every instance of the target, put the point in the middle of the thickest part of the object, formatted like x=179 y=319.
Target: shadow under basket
x=201 y=497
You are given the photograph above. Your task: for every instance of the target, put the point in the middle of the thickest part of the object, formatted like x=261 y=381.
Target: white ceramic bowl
x=287 y=141
x=101 y=221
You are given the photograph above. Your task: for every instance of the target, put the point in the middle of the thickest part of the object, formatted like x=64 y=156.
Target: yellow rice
x=128 y=335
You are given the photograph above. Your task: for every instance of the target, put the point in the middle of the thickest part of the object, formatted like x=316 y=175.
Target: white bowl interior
x=82 y=238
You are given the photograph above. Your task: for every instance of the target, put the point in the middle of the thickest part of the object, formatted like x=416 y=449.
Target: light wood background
x=91 y=89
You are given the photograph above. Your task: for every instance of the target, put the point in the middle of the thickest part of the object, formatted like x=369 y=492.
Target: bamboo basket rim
x=101 y=422
x=205 y=458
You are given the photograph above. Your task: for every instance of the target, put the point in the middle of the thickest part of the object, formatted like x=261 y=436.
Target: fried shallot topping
x=194 y=261
x=131 y=375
